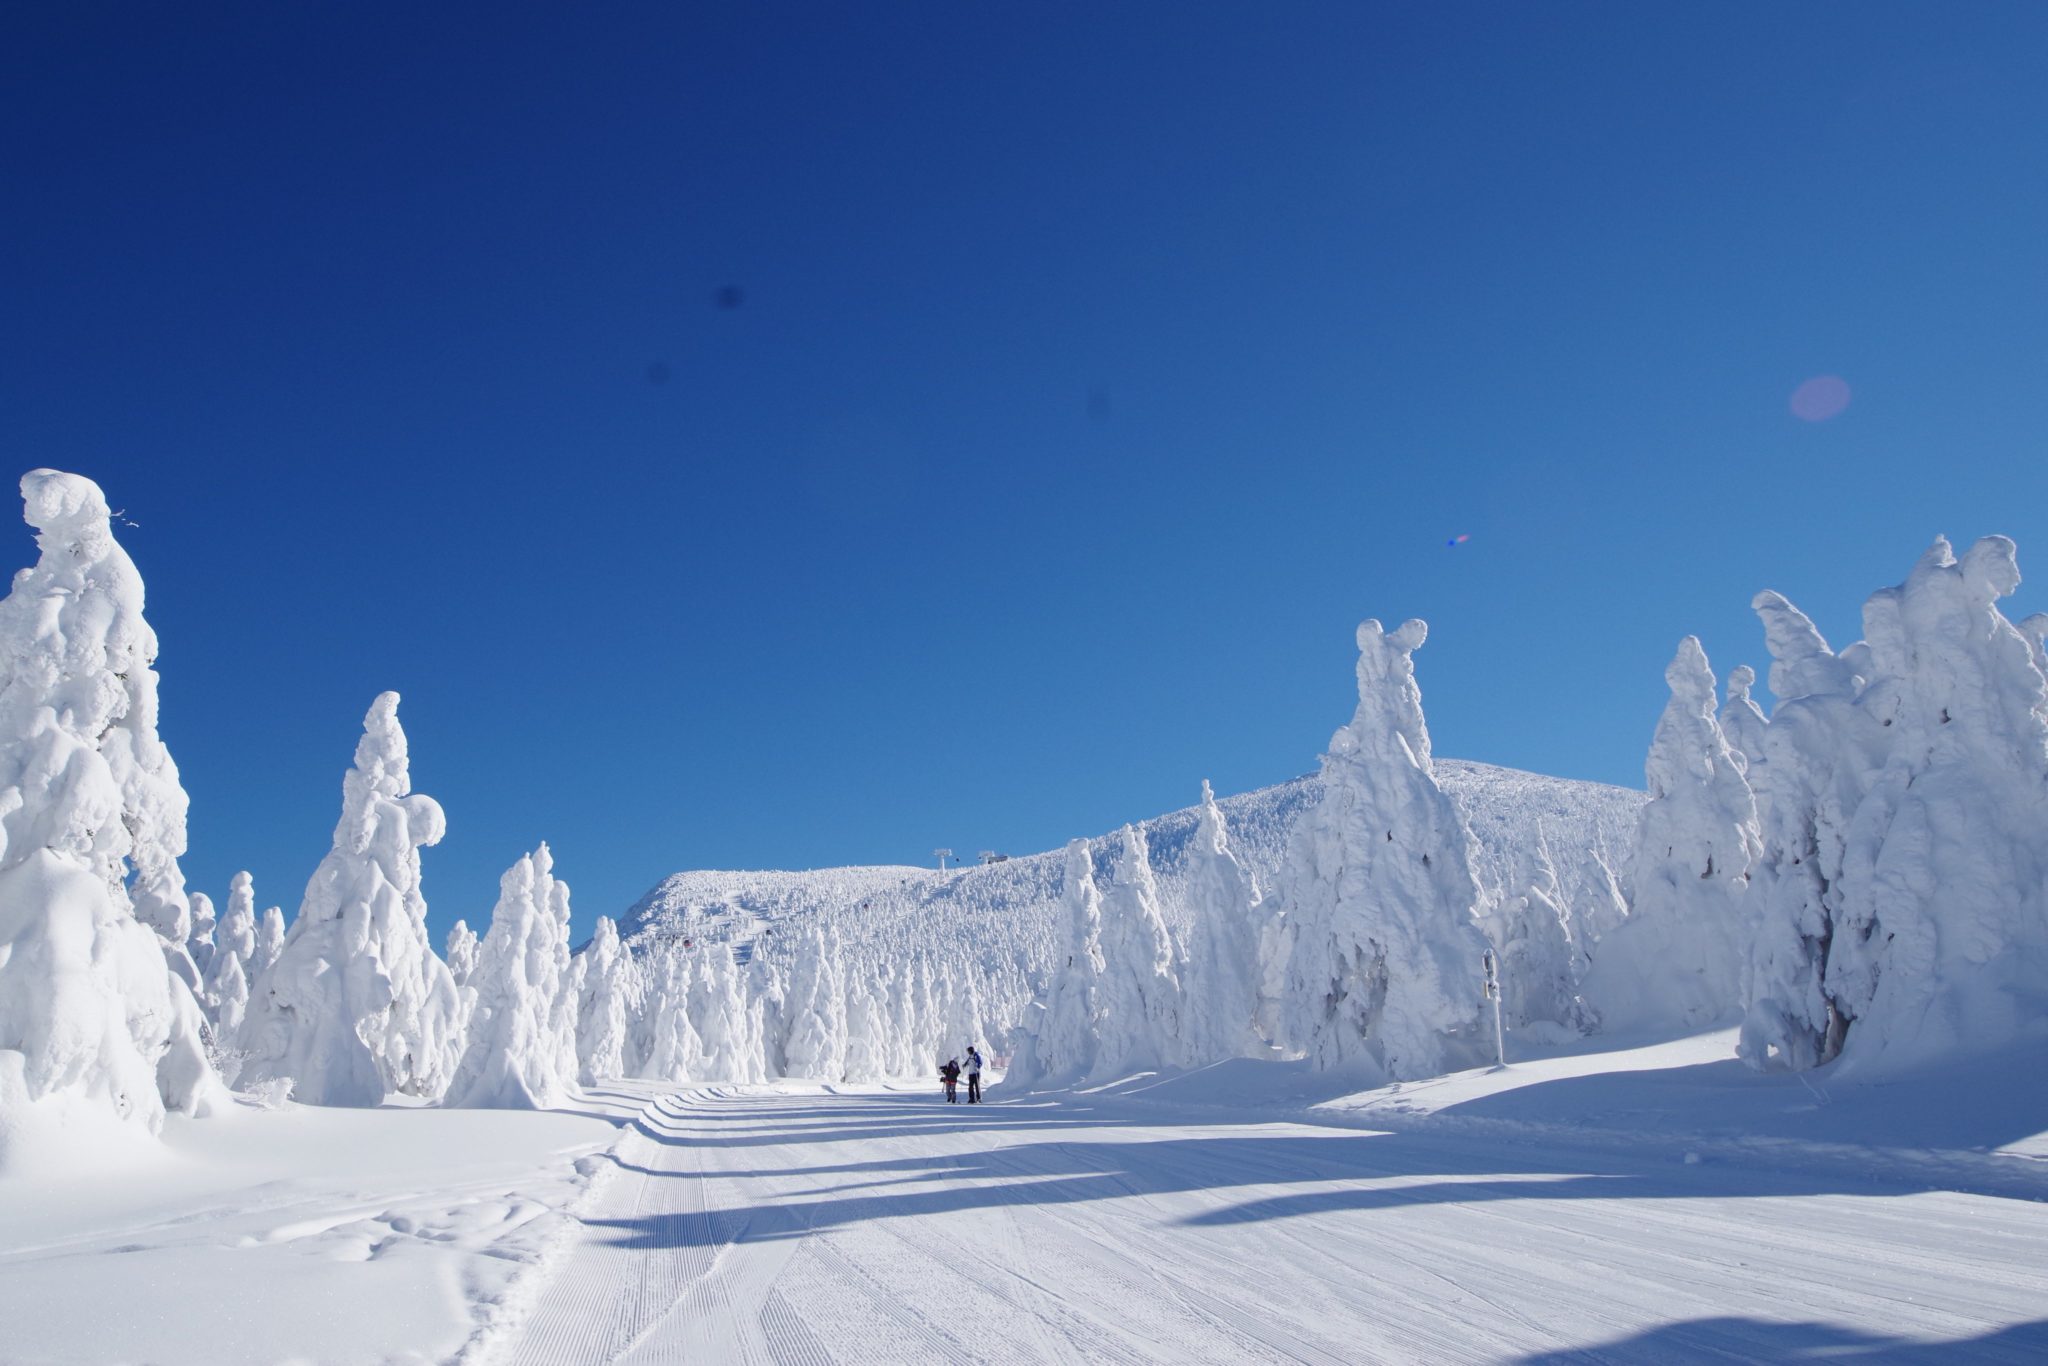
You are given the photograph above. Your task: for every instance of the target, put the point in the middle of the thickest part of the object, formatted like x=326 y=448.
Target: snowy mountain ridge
x=1006 y=914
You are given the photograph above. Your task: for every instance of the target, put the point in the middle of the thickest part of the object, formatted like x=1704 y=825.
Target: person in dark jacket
x=950 y=1074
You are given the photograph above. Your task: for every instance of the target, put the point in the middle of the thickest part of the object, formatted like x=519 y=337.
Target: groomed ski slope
x=1648 y=1203
x=799 y=1224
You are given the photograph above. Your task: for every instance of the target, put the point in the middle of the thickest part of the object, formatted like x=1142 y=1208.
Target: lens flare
x=1820 y=398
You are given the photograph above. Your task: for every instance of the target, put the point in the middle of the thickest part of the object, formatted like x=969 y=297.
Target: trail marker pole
x=1492 y=992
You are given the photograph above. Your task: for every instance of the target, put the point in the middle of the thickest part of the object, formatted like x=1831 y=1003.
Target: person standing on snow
x=973 y=1075
x=950 y=1074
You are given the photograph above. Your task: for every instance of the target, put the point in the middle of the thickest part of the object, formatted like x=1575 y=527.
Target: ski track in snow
x=814 y=1225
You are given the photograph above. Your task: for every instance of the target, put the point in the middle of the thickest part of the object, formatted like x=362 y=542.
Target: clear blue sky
x=1097 y=368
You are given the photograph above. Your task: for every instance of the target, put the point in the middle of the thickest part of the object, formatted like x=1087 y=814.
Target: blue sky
x=1095 y=369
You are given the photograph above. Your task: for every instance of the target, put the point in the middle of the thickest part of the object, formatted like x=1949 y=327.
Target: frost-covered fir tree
x=673 y=1049
x=235 y=933
x=902 y=1056
x=2035 y=630
x=520 y=1056
x=565 y=1010
x=769 y=993
x=610 y=995
x=1820 y=750
x=923 y=1010
x=459 y=951
x=1379 y=890
x=94 y=1025
x=720 y=1011
x=269 y=941
x=1934 y=918
x=1139 y=1023
x=1064 y=1047
x=945 y=1005
x=1225 y=917
x=1677 y=961
x=1542 y=963
x=357 y=1004
x=965 y=1020
x=866 y=1030
x=227 y=975
x=153 y=800
x=204 y=922
x=1742 y=720
x=814 y=1044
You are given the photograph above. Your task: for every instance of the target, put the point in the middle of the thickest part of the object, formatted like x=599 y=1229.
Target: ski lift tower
x=942 y=855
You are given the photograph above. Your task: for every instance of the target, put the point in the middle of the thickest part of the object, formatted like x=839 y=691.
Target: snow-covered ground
x=806 y=1224
x=296 y=1235
x=1650 y=1203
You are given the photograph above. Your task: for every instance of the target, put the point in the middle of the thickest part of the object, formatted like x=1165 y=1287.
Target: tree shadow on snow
x=1071 y=1153
x=1739 y=1339
x=1967 y=1105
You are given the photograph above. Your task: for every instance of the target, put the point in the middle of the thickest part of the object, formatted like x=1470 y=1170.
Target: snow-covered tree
x=725 y=1026
x=672 y=1048
x=227 y=974
x=234 y=937
x=1379 y=889
x=1677 y=962
x=902 y=1056
x=2035 y=630
x=1742 y=721
x=357 y=1004
x=459 y=951
x=965 y=1025
x=269 y=941
x=520 y=1055
x=610 y=995
x=1139 y=1024
x=1225 y=917
x=1819 y=751
x=93 y=1021
x=200 y=945
x=814 y=1046
x=769 y=994
x=866 y=1027
x=923 y=1010
x=1929 y=934
x=1069 y=1029
x=1542 y=962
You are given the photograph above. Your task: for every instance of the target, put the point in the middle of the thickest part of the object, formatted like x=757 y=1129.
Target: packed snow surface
x=1639 y=1203
x=1219 y=1216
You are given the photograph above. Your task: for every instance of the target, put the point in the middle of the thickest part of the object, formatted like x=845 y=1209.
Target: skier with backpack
x=973 y=1075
